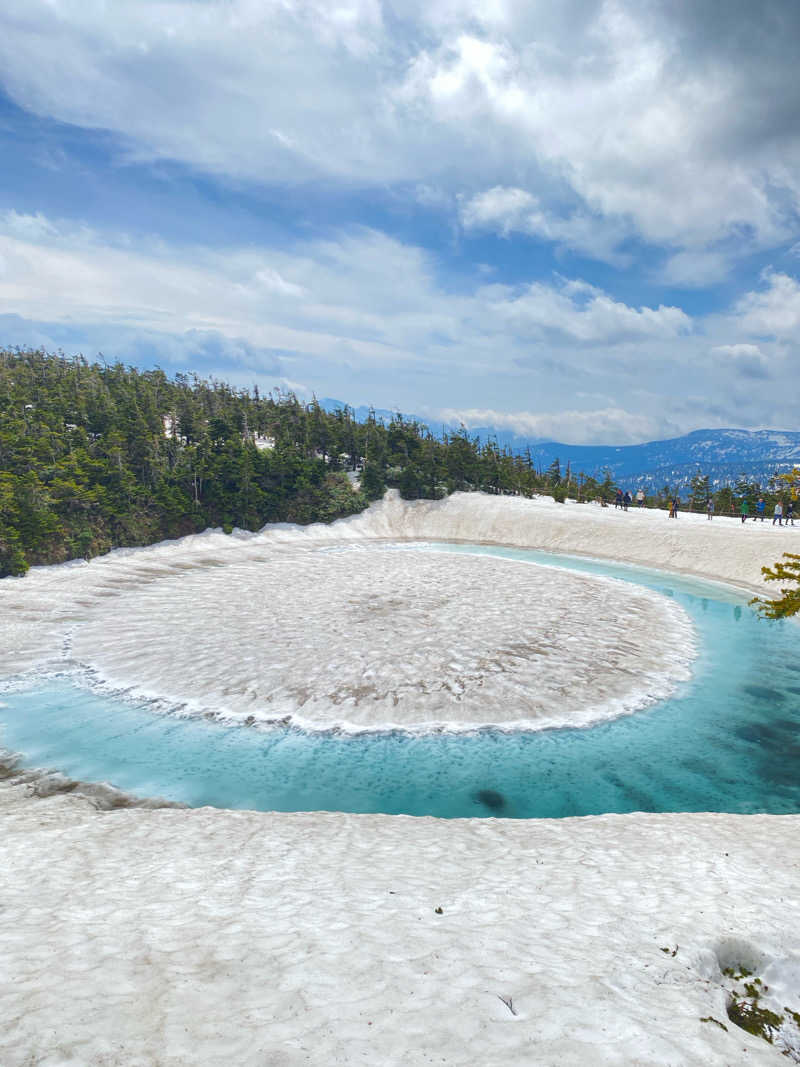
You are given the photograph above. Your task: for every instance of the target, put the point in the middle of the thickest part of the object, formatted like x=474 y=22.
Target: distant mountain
x=723 y=455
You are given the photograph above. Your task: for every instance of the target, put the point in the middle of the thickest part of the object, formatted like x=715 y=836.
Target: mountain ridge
x=722 y=454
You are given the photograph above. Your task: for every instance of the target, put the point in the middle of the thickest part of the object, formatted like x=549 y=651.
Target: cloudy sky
x=578 y=219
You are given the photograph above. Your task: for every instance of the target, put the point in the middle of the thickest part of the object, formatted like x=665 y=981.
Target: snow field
x=206 y=937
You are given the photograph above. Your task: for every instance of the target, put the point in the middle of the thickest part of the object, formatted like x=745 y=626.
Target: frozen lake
x=722 y=736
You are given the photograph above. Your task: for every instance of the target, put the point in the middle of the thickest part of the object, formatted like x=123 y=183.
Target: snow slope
x=208 y=937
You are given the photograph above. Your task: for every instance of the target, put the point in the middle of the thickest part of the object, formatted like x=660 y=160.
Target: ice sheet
x=366 y=637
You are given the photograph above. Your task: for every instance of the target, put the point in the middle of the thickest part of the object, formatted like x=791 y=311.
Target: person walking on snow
x=744 y=510
x=710 y=508
x=789 y=516
x=640 y=498
x=777 y=515
x=760 y=508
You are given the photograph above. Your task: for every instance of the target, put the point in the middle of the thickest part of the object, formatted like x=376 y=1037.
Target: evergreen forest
x=95 y=456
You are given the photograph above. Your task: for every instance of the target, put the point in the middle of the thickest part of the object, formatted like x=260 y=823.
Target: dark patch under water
x=790 y=725
x=783 y=771
x=761 y=733
x=764 y=692
x=491 y=799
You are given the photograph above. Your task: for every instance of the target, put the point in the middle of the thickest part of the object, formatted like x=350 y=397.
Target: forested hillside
x=95 y=456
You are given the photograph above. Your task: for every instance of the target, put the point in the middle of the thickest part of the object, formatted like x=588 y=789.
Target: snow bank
x=206 y=937
x=722 y=550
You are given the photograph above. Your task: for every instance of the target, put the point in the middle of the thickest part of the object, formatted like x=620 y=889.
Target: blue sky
x=575 y=219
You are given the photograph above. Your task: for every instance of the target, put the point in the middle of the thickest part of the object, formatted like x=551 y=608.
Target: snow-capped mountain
x=724 y=455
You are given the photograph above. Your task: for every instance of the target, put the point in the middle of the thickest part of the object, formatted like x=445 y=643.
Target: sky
x=574 y=219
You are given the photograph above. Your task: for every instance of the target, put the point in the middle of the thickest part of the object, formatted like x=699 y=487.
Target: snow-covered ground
x=174 y=937
x=208 y=937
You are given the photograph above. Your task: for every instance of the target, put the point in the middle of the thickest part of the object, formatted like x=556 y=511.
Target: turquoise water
x=729 y=740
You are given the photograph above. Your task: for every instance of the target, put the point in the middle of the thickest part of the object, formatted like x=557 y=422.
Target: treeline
x=728 y=499
x=96 y=456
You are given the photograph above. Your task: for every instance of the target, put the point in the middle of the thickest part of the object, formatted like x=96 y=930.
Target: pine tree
x=788 y=603
x=373 y=482
x=700 y=492
x=607 y=487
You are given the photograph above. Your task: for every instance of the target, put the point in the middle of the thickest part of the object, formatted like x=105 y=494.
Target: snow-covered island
x=171 y=936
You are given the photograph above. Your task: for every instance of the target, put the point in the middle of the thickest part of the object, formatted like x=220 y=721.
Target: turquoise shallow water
x=729 y=740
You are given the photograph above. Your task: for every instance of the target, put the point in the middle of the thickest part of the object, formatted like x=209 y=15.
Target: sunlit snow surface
x=372 y=636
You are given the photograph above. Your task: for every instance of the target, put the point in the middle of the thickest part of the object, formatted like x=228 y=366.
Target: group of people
x=622 y=500
x=779 y=512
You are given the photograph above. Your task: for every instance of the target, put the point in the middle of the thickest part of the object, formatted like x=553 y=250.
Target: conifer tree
x=788 y=603
x=700 y=492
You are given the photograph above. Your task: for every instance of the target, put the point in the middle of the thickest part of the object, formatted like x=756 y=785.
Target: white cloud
x=242 y=88
x=615 y=112
x=588 y=315
x=597 y=426
x=28 y=227
x=696 y=268
x=365 y=317
x=324 y=295
x=774 y=310
x=335 y=300
x=274 y=283
x=504 y=210
x=509 y=210
x=745 y=359
x=468 y=76
x=647 y=119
